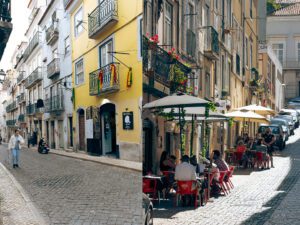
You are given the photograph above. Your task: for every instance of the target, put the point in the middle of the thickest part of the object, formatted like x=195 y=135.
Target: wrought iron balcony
x=31 y=46
x=102 y=17
x=21 y=118
x=157 y=63
x=21 y=98
x=211 y=43
x=33 y=78
x=53 y=68
x=31 y=109
x=21 y=76
x=105 y=80
x=54 y=104
x=190 y=42
x=52 y=34
x=11 y=123
x=11 y=107
x=5 y=24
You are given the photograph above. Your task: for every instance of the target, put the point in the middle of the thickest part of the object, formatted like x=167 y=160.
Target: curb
x=30 y=204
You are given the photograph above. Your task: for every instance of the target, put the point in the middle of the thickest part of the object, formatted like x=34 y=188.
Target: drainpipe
x=243 y=26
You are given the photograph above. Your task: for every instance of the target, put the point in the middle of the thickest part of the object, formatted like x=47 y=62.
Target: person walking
x=269 y=140
x=14 y=146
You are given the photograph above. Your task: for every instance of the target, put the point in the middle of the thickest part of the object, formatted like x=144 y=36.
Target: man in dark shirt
x=268 y=140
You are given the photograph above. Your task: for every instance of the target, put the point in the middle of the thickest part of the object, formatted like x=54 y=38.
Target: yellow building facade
x=107 y=77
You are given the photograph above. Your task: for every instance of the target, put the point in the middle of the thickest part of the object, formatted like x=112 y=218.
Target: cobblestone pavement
x=71 y=191
x=259 y=197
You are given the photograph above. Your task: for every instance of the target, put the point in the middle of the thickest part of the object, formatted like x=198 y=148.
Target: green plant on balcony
x=178 y=79
x=254 y=83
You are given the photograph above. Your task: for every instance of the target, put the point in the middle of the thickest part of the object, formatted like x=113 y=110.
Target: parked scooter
x=43 y=147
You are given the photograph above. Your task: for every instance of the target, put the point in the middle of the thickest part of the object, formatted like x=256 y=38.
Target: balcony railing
x=5 y=24
x=105 y=80
x=104 y=15
x=31 y=46
x=54 y=104
x=291 y=64
x=31 y=109
x=157 y=63
x=190 y=42
x=21 y=76
x=211 y=43
x=11 y=123
x=34 y=78
x=53 y=68
x=52 y=34
x=21 y=118
x=21 y=98
x=11 y=107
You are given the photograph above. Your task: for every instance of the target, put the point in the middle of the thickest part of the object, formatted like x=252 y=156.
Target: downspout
x=243 y=26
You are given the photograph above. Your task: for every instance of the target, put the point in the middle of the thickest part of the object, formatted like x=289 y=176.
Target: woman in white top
x=14 y=145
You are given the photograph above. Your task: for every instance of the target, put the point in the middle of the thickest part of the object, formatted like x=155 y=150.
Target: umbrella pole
x=180 y=130
x=192 y=136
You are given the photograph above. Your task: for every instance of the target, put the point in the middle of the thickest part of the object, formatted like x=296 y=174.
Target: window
x=298 y=49
x=190 y=17
x=67 y=45
x=168 y=23
x=55 y=53
x=105 y=57
x=251 y=12
x=278 y=50
x=140 y=36
x=251 y=55
x=79 y=72
x=207 y=85
x=246 y=52
x=229 y=13
x=78 y=19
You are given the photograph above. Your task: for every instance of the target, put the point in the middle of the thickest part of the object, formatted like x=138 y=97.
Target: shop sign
x=127 y=120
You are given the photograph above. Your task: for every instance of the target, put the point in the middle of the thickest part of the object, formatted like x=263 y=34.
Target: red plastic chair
x=259 y=159
x=229 y=175
x=222 y=183
x=149 y=187
x=238 y=157
x=185 y=188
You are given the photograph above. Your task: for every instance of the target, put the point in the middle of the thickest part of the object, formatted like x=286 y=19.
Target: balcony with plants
x=105 y=80
x=54 y=104
x=164 y=66
x=34 y=78
x=31 y=46
x=52 y=34
x=102 y=17
x=211 y=43
x=53 y=68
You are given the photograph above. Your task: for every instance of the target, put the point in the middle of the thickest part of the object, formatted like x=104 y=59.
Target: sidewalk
x=136 y=166
x=15 y=205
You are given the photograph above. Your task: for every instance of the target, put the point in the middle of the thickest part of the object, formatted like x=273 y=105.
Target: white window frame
x=112 y=39
x=246 y=51
x=140 y=36
x=166 y=19
x=67 y=46
x=76 y=33
x=284 y=51
x=75 y=71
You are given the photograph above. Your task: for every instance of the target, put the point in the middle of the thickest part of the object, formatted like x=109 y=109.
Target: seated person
x=245 y=138
x=266 y=157
x=221 y=164
x=166 y=163
x=241 y=147
x=251 y=144
x=238 y=140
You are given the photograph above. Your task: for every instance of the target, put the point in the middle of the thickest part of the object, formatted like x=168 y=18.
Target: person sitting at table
x=238 y=140
x=166 y=164
x=221 y=164
x=241 y=147
x=199 y=167
x=245 y=138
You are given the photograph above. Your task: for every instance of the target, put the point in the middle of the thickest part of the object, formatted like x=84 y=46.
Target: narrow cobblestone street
x=71 y=191
x=259 y=197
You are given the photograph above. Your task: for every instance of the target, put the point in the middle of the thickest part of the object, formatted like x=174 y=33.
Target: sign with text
x=127 y=120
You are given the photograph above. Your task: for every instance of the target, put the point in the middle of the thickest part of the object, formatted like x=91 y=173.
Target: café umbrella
x=179 y=102
x=250 y=116
x=257 y=109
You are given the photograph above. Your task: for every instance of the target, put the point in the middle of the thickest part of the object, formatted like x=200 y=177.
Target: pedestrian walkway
x=15 y=205
x=260 y=197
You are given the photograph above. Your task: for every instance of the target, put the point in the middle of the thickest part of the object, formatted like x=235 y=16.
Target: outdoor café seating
x=150 y=187
x=187 y=188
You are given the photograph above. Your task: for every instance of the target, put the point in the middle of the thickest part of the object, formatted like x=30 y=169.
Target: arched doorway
x=81 y=129
x=108 y=129
x=147 y=145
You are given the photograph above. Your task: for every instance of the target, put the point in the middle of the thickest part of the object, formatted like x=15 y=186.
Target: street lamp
x=2 y=76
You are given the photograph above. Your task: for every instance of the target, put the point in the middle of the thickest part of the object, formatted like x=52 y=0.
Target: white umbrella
x=176 y=101
x=257 y=109
x=251 y=116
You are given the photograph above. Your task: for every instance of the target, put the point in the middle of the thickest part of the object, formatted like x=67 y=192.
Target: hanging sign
x=127 y=120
